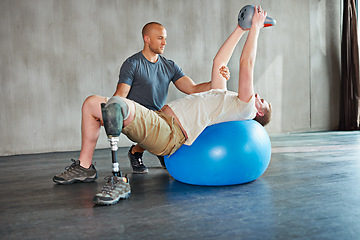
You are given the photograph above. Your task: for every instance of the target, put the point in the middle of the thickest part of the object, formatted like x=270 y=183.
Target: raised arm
x=223 y=56
x=248 y=56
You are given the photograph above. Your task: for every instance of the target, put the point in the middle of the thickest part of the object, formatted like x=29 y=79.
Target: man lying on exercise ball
x=181 y=121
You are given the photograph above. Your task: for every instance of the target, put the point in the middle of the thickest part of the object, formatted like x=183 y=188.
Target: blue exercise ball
x=226 y=153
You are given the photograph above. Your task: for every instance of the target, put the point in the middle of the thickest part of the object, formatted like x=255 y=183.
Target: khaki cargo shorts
x=155 y=131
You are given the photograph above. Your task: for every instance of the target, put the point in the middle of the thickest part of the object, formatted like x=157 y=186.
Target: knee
x=93 y=102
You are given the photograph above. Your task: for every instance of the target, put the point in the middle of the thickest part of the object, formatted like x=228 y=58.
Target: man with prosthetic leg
x=117 y=187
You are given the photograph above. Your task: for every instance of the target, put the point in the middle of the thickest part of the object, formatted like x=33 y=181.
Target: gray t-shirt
x=149 y=81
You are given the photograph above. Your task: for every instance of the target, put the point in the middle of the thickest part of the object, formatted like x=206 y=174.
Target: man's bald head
x=149 y=26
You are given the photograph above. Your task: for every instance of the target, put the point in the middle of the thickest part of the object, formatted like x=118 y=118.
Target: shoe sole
x=98 y=201
x=143 y=172
x=86 y=180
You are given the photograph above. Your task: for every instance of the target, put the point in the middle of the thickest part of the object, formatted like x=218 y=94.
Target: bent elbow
x=218 y=63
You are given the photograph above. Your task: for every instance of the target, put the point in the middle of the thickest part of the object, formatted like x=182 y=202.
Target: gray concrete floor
x=311 y=190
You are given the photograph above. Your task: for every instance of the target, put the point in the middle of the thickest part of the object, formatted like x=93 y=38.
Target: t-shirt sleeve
x=178 y=73
x=126 y=74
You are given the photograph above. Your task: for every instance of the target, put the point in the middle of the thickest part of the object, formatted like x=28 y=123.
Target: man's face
x=260 y=104
x=157 y=39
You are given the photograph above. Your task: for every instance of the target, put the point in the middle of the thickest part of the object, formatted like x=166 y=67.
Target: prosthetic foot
x=113 y=122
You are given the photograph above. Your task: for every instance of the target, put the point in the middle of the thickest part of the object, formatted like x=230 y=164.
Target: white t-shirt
x=197 y=111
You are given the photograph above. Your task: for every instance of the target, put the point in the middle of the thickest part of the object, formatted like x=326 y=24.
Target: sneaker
x=76 y=173
x=161 y=159
x=114 y=190
x=137 y=162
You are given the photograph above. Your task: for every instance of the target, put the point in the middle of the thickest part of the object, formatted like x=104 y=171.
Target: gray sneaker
x=114 y=190
x=76 y=173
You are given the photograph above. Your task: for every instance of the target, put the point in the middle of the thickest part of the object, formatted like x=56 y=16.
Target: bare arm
x=248 y=56
x=187 y=85
x=223 y=56
x=122 y=90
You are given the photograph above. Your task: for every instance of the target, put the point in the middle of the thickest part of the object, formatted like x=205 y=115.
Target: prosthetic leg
x=117 y=187
x=113 y=122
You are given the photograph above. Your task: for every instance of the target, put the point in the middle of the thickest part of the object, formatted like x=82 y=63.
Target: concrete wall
x=56 y=53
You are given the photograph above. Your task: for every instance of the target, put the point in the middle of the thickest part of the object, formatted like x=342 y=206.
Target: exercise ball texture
x=226 y=153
